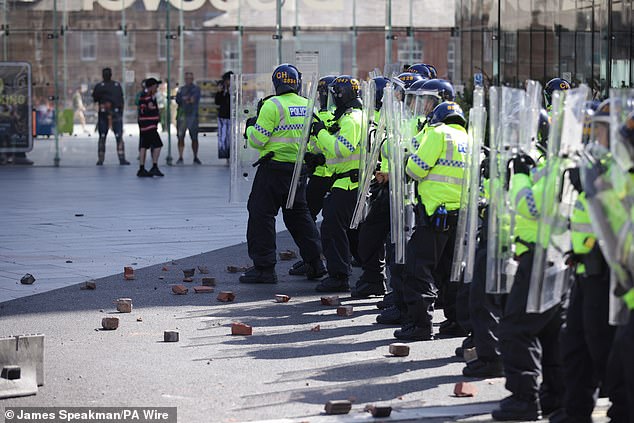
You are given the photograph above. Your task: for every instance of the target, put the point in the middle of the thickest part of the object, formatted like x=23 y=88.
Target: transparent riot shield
x=391 y=70
x=309 y=85
x=376 y=141
x=368 y=89
x=506 y=104
x=246 y=91
x=464 y=248
x=557 y=202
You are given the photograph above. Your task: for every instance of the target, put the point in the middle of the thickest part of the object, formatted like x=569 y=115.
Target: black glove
x=575 y=179
x=317 y=127
x=484 y=168
x=250 y=122
x=522 y=164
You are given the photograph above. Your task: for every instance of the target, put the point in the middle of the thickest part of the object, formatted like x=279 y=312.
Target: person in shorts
x=148 y=119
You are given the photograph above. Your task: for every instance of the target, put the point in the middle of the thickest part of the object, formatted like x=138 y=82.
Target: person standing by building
x=148 y=119
x=187 y=98
x=78 y=105
x=223 y=101
x=108 y=94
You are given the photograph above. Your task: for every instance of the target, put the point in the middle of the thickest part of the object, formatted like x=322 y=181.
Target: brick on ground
x=241 y=329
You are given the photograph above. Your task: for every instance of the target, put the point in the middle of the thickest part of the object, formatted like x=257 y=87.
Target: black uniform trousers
x=620 y=374
x=373 y=233
x=268 y=194
x=338 y=209
x=428 y=260
x=318 y=187
x=529 y=342
x=586 y=341
x=485 y=311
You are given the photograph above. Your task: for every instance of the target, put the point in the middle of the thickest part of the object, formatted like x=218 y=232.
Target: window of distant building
x=230 y=56
x=404 y=51
x=88 y=45
x=127 y=46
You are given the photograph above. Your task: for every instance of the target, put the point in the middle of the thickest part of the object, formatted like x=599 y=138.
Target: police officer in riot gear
x=555 y=84
x=438 y=168
x=276 y=133
x=109 y=95
x=341 y=149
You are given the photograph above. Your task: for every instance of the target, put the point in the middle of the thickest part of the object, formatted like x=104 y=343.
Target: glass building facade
x=68 y=42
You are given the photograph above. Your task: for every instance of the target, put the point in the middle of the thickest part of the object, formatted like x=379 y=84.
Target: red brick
x=400 y=350
x=287 y=255
x=241 y=329
x=203 y=289
x=110 y=323
x=338 y=407
x=88 y=285
x=188 y=273
x=128 y=273
x=226 y=296
x=330 y=301
x=124 y=305
x=281 y=298
x=208 y=281
x=188 y=279
x=316 y=328
x=464 y=389
x=179 y=289
x=345 y=310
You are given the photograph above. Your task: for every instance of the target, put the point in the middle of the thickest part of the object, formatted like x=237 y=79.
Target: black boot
x=365 y=289
x=315 y=269
x=484 y=369
x=332 y=284
x=298 y=268
x=259 y=275
x=411 y=332
x=516 y=408
x=390 y=316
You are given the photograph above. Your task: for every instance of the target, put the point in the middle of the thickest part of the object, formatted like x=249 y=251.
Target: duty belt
x=352 y=174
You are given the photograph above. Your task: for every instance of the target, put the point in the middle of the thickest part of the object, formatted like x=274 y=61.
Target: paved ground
x=76 y=222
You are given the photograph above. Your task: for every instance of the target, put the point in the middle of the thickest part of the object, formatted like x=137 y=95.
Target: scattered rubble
x=170 y=336
x=179 y=289
x=399 y=349
x=281 y=298
x=128 y=273
x=27 y=279
x=208 y=281
x=110 y=323
x=241 y=329
x=379 y=410
x=345 y=310
x=188 y=279
x=226 y=296
x=330 y=301
x=287 y=255
x=124 y=305
x=88 y=285
x=315 y=328
x=464 y=389
x=203 y=289
x=188 y=273
x=338 y=407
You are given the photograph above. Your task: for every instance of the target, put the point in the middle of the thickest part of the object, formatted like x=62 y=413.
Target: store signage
x=15 y=107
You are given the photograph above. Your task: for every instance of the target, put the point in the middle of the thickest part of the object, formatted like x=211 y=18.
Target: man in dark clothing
x=223 y=100
x=188 y=99
x=109 y=95
x=148 y=118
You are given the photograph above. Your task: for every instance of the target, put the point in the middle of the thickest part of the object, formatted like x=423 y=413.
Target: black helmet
x=421 y=69
x=286 y=78
x=322 y=90
x=555 y=84
x=345 y=90
x=543 y=128
x=448 y=112
x=379 y=82
x=443 y=89
x=403 y=82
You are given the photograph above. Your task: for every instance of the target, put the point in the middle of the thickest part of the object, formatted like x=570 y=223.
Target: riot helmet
x=448 y=112
x=421 y=69
x=379 y=82
x=286 y=79
x=344 y=92
x=555 y=84
x=322 y=91
x=404 y=81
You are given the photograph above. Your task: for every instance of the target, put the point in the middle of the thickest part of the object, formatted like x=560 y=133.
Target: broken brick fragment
x=124 y=305
x=316 y=328
x=203 y=270
x=287 y=255
x=128 y=273
x=179 y=289
x=27 y=279
x=188 y=279
x=281 y=298
x=379 y=410
x=88 y=285
x=399 y=349
x=170 y=336
x=226 y=296
x=188 y=273
x=338 y=407
x=110 y=323
x=241 y=329
x=345 y=310
x=203 y=289
x=208 y=281
x=330 y=301
x=464 y=389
